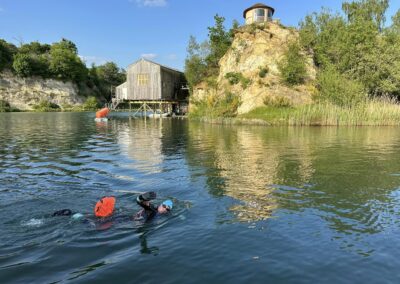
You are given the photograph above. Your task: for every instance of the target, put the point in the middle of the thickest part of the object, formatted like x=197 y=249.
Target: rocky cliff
x=253 y=58
x=24 y=93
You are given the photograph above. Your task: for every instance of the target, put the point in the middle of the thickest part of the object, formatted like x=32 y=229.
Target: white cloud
x=93 y=59
x=151 y=3
x=148 y=55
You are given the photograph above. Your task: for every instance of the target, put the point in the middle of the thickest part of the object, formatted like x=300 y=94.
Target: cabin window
x=269 y=15
x=259 y=15
x=142 y=79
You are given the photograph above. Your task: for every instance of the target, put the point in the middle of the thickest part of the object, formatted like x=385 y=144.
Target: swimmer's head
x=165 y=207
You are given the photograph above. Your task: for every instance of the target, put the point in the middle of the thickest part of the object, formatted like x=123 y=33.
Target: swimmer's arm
x=143 y=200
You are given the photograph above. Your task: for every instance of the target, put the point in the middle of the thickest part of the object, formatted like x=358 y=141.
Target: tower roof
x=258 y=5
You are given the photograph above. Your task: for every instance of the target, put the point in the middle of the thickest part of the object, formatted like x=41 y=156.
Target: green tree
x=396 y=23
x=110 y=74
x=65 y=63
x=34 y=48
x=367 y=11
x=338 y=89
x=292 y=67
x=220 y=40
x=357 y=44
x=105 y=77
x=195 y=63
x=324 y=35
x=91 y=103
x=23 y=65
x=7 y=51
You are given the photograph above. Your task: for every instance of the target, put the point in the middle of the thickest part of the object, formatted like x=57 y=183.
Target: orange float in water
x=105 y=207
x=102 y=113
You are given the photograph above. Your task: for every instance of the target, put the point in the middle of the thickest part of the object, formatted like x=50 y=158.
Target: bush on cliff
x=338 y=89
x=4 y=106
x=213 y=106
x=65 y=63
x=60 y=61
x=91 y=103
x=292 y=67
x=7 y=51
x=203 y=59
x=45 y=106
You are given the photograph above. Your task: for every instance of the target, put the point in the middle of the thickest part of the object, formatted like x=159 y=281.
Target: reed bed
x=374 y=112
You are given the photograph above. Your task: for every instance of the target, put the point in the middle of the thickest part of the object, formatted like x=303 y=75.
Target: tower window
x=259 y=15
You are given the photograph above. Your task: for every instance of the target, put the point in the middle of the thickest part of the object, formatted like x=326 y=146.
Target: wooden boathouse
x=152 y=86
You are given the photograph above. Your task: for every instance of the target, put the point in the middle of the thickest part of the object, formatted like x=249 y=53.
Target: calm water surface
x=277 y=205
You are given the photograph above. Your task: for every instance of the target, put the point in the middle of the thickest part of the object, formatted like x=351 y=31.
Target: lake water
x=252 y=204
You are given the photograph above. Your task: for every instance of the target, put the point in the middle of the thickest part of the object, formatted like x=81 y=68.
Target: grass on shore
x=376 y=112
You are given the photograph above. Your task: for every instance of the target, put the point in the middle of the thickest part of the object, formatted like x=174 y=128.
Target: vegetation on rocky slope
x=59 y=61
x=356 y=57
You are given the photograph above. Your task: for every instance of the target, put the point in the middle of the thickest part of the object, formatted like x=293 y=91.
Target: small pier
x=144 y=107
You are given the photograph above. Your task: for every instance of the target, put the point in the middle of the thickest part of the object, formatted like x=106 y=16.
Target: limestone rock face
x=24 y=93
x=255 y=48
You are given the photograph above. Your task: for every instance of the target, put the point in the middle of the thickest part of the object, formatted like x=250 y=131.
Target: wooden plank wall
x=170 y=80
x=121 y=92
x=152 y=91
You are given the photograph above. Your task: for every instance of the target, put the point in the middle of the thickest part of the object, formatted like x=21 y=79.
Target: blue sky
x=125 y=30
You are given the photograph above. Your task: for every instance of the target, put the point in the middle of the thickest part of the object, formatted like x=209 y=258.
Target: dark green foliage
x=34 y=48
x=227 y=106
x=105 y=78
x=26 y=65
x=65 y=63
x=23 y=65
x=235 y=78
x=357 y=44
x=292 y=67
x=203 y=59
x=224 y=106
x=372 y=11
x=91 y=103
x=32 y=60
x=110 y=74
x=195 y=63
x=7 y=51
x=220 y=41
x=338 y=89
x=4 y=106
x=45 y=105
x=61 y=61
x=396 y=23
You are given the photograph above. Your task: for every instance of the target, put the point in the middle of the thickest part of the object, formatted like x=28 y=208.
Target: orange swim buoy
x=105 y=207
x=102 y=113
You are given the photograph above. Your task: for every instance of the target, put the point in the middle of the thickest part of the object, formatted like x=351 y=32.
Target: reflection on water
x=308 y=192
x=134 y=136
x=342 y=175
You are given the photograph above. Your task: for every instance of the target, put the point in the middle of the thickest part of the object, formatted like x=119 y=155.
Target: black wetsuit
x=148 y=212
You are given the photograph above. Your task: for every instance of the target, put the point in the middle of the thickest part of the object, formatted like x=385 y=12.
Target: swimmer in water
x=150 y=210
x=105 y=208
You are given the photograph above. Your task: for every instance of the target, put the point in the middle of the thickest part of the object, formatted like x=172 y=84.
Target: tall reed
x=381 y=112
